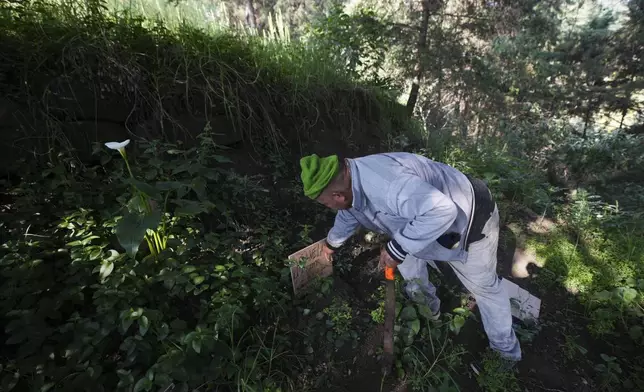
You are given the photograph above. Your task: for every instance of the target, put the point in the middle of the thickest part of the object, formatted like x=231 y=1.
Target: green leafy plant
x=378 y=314
x=610 y=371
x=142 y=220
x=339 y=313
x=359 y=41
x=572 y=349
x=457 y=321
x=155 y=324
x=620 y=304
x=428 y=357
x=494 y=376
x=527 y=330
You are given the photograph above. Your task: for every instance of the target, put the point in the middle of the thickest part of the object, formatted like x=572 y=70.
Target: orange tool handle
x=389 y=273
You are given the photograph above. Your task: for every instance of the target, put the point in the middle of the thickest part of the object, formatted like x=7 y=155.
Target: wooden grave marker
x=315 y=265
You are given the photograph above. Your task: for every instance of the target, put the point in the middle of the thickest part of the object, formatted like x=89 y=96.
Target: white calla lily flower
x=118 y=146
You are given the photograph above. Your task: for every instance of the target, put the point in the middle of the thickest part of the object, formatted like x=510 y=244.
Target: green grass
x=211 y=16
x=273 y=91
x=559 y=255
x=591 y=264
x=599 y=258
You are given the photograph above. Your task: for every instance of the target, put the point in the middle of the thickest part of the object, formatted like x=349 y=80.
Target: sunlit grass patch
x=563 y=257
x=579 y=280
x=625 y=256
x=582 y=266
x=207 y=15
x=604 y=267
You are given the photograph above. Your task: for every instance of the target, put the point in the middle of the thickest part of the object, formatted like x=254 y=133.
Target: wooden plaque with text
x=315 y=266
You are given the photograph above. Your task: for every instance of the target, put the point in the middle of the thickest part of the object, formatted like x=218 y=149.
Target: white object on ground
x=524 y=305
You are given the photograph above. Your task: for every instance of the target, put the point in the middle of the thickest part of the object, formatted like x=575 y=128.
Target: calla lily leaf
x=189 y=207
x=130 y=230
x=169 y=185
x=146 y=188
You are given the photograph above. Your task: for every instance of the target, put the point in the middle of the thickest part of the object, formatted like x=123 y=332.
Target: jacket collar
x=358 y=197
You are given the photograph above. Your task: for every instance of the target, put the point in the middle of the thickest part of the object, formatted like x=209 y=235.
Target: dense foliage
x=83 y=314
x=167 y=270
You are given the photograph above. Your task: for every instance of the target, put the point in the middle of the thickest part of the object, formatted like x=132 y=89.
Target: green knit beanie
x=317 y=173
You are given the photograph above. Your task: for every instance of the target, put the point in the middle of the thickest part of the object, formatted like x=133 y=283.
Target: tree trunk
x=477 y=121
x=439 y=84
x=626 y=103
x=587 y=117
x=464 y=116
x=621 y=122
x=420 y=49
x=251 y=16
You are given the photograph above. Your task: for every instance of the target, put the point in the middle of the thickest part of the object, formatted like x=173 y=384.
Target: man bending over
x=431 y=212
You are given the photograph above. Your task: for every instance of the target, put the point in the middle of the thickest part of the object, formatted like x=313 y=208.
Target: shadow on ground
x=554 y=356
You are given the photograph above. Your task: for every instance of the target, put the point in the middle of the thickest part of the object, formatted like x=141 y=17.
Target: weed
x=429 y=362
x=494 y=377
x=457 y=320
x=427 y=355
x=326 y=284
x=572 y=349
x=339 y=313
x=305 y=234
x=527 y=330
x=378 y=297
x=378 y=314
x=610 y=372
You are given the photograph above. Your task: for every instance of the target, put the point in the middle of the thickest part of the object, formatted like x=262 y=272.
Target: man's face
x=335 y=200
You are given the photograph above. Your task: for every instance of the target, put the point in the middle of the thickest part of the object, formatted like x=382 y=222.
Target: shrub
x=81 y=314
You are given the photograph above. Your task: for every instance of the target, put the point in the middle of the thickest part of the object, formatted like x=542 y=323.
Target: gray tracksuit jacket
x=413 y=200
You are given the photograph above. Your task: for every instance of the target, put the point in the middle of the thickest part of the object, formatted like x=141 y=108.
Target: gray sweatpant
x=478 y=275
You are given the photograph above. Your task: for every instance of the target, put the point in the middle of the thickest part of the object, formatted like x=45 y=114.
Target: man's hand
x=327 y=252
x=386 y=260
